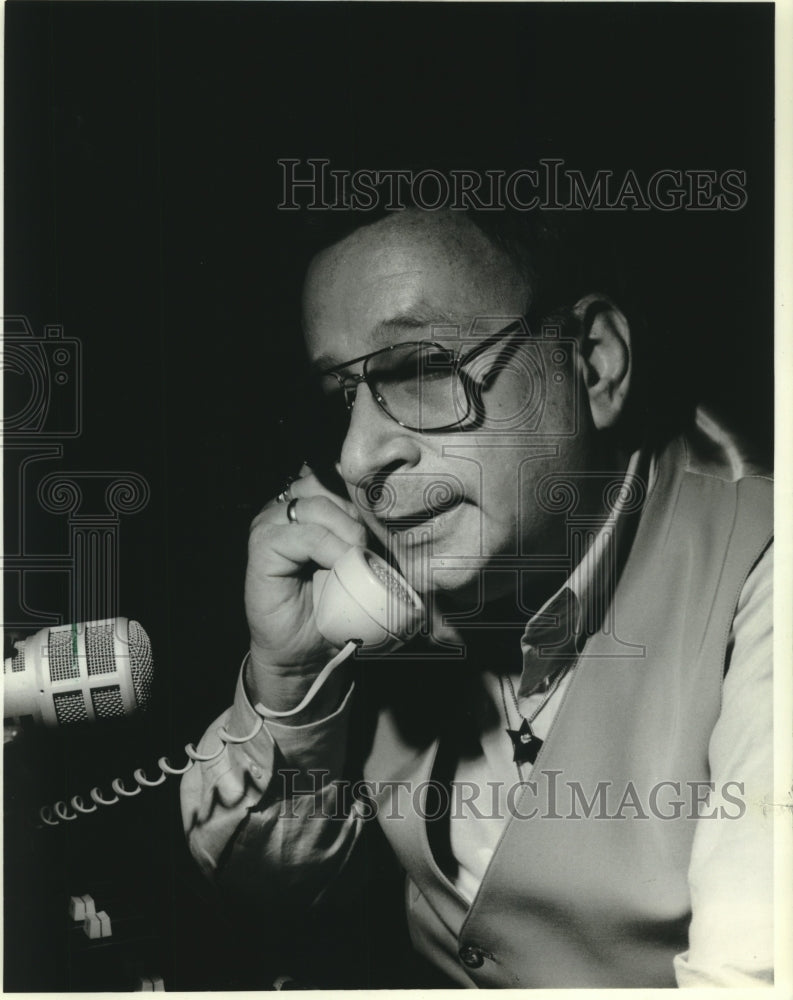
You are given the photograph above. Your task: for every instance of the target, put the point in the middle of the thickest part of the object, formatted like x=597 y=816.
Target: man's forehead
x=401 y=276
x=417 y=323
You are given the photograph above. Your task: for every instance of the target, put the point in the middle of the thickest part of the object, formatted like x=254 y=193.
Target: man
x=570 y=767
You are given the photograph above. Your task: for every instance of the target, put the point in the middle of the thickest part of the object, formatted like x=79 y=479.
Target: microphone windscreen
x=76 y=673
x=141 y=663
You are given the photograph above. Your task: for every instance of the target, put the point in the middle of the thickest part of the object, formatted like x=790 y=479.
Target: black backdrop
x=141 y=192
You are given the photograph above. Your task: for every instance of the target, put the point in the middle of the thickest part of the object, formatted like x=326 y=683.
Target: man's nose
x=374 y=442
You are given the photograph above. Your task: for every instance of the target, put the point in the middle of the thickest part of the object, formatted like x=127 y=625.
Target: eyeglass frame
x=349 y=383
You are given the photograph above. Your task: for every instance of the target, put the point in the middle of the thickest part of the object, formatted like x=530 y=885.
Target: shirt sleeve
x=731 y=870
x=268 y=815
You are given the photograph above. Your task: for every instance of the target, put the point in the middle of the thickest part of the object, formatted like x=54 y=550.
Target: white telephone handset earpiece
x=364 y=600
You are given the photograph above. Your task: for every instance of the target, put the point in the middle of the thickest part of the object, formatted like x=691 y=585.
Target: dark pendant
x=526 y=744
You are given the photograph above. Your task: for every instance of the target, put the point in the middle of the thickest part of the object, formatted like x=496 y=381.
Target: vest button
x=472 y=956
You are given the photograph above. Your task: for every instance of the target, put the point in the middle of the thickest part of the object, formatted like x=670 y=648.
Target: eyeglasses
x=424 y=386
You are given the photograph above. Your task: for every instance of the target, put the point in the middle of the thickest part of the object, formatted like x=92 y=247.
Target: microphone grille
x=69 y=707
x=61 y=656
x=17 y=661
x=107 y=702
x=141 y=663
x=100 y=653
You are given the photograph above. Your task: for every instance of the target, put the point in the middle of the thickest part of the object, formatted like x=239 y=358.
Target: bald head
x=425 y=269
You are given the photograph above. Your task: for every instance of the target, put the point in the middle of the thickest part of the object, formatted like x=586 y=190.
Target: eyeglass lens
x=419 y=385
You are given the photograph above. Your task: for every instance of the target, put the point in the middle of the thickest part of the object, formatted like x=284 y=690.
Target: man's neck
x=492 y=637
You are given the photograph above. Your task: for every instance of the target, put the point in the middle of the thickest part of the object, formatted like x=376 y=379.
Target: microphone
x=79 y=673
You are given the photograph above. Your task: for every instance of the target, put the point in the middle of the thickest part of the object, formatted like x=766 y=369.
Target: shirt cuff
x=317 y=745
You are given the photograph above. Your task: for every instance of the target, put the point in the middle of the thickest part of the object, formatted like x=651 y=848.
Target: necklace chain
x=548 y=695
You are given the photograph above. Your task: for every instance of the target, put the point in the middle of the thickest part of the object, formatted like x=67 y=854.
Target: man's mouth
x=414 y=519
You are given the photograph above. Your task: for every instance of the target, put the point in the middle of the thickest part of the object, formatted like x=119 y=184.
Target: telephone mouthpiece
x=364 y=599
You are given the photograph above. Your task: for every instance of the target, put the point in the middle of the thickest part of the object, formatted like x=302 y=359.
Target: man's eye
x=437 y=365
x=328 y=387
x=424 y=364
x=404 y=370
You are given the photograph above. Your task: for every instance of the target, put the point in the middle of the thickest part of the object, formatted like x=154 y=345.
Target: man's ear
x=604 y=357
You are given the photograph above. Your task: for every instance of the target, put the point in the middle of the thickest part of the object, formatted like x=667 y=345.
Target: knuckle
x=257 y=524
x=266 y=515
x=320 y=533
x=309 y=480
x=260 y=534
x=324 y=504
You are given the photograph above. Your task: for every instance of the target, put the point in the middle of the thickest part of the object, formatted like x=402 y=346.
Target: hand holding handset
x=361 y=597
x=361 y=602
x=313 y=588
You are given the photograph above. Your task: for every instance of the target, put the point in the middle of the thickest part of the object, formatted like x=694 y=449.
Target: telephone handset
x=360 y=602
x=362 y=599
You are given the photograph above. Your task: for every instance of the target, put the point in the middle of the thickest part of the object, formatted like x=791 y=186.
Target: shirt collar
x=555 y=635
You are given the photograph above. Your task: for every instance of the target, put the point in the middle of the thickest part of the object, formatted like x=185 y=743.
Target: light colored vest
x=597 y=901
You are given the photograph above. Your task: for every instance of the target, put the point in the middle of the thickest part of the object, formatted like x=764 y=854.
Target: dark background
x=141 y=192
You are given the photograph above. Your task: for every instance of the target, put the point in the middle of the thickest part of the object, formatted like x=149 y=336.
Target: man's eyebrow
x=416 y=318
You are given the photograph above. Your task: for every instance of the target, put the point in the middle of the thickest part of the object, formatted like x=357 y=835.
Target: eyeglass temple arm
x=462 y=359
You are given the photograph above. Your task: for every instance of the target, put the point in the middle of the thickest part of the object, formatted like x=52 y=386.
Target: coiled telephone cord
x=47 y=814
